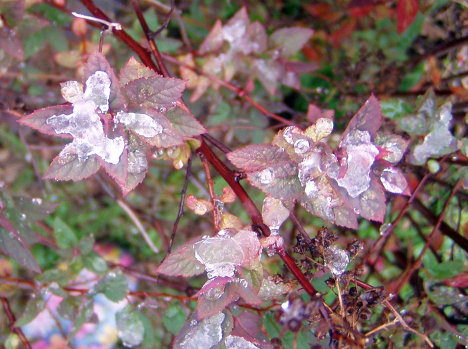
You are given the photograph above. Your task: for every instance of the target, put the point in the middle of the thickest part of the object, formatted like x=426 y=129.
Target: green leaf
x=114 y=286
x=95 y=263
x=85 y=314
x=64 y=235
x=130 y=328
x=61 y=277
x=174 y=317
x=444 y=270
x=33 y=307
x=85 y=245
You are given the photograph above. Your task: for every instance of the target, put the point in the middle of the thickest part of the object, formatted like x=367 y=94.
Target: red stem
x=12 y=319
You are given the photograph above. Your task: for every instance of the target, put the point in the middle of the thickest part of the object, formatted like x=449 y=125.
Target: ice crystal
x=393 y=180
x=301 y=146
x=336 y=260
x=361 y=154
x=142 y=124
x=220 y=255
x=84 y=124
x=266 y=176
x=235 y=342
x=204 y=334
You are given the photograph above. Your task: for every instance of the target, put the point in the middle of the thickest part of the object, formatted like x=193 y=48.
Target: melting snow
x=84 y=124
x=361 y=154
x=204 y=334
x=235 y=342
x=336 y=260
x=142 y=124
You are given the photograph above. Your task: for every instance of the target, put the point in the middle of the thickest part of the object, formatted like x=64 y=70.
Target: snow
x=142 y=124
x=204 y=334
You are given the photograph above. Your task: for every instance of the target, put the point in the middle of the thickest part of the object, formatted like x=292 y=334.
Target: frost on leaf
x=274 y=213
x=220 y=255
x=142 y=124
x=207 y=333
x=439 y=141
x=235 y=342
x=360 y=156
x=84 y=124
x=394 y=145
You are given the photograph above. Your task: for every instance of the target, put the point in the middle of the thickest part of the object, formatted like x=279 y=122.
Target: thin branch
x=209 y=182
x=138 y=224
x=181 y=204
x=398 y=317
x=380 y=243
x=418 y=261
x=300 y=228
x=11 y=320
x=166 y=21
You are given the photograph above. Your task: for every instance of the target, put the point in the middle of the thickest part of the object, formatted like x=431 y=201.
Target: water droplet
x=37 y=201
x=384 y=228
x=356 y=210
x=214 y=293
x=266 y=176
x=311 y=188
x=23 y=217
x=288 y=134
x=336 y=260
x=301 y=146
x=193 y=323
x=162 y=109
x=285 y=305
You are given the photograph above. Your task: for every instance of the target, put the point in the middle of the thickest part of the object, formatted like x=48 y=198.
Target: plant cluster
x=337 y=213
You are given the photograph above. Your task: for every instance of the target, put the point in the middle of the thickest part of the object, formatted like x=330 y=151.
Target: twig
x=240 y=92
x=209 y=182
x=398 y=317
x=11 y=320
x=417 y=263
x=300 y=228
x=380 y=243
x=216 y=143
x=138 y=224
x=181 y=204
x=166 y=21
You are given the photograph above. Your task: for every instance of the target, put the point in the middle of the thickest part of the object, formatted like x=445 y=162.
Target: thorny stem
x=181 y=204
x=418 y=261
x=11 y=320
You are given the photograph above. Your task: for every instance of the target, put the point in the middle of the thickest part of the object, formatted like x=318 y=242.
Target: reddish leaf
x=133 y=70
x=118 y=172
x=156 y=92
x=255 y=39
x=182 y=262
x=215 y=300
x=323 y=11
x=98 y=62
x=406 y=12
x=289 y=41
x=250 y=245
x=137 y=160
x=12 y=10
x=344 y=31
x=244 y=290
x=184 y=123
x=198 y=206
x=460 y=280
x=214 y=40
x=168 y=137
x=10 y=43
x=361 y=8
x=38 y=119
x=368 y=118
x=67 y=166
x=257 y=157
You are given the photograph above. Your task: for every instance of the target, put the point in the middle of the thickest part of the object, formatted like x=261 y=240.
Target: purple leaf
x=38 y=119
x=280 y=180
x=12 y=10
x=137 y=163
x=269 y=73
x=168 y=137
x=235 y=29
x=214 y=40
x=10 y=43
x=246 y=292
x=12 y=244
x=215 y=300
x=68 y=166
x=289 y=41
x=184 y=123
x=133 y=70
x=118 y=172
x=182 y=262
x=257 y=157
x=255 y=40
x=156 y=92
x=98 y=62
x=368 y=118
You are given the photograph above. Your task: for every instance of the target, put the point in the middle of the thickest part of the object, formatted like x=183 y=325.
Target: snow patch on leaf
x=142 y=124
x=206 y=333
